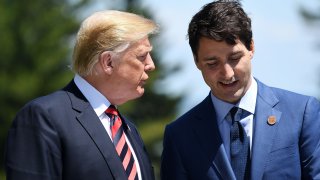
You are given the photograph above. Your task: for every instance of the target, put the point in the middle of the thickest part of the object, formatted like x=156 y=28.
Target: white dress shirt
x=248 y=103
x=100 y=104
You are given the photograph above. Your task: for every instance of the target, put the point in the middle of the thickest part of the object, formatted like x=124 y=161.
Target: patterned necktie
x=239 y=148
x=120 y=143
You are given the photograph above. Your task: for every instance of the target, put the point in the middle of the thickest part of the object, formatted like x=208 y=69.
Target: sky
x=285 y=54
x=285 y=51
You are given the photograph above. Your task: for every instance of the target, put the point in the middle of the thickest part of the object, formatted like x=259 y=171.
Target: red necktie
x=120 y=143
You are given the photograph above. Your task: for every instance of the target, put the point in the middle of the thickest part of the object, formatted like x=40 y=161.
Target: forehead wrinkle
x=143 y=48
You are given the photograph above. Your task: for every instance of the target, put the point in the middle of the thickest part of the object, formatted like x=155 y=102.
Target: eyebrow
x=150 y=48
x=145 y=48
x=211 y=58
x=236 y=53
x=214 y=58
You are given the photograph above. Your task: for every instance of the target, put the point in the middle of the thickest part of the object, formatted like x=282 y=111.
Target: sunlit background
x=286 y=54
x=287 y=46
x=287 y=50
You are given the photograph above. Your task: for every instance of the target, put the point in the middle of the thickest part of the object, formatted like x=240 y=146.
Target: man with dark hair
x=243 y=129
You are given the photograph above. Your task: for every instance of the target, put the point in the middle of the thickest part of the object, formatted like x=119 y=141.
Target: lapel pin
x=272 y=120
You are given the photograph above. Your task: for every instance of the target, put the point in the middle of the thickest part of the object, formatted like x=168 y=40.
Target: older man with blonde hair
x=77 y=132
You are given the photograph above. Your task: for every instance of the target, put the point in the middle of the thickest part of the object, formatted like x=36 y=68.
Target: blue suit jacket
x=289 y=149
x=59 y=136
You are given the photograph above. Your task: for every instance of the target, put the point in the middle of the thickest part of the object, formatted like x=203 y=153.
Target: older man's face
x=130 y=70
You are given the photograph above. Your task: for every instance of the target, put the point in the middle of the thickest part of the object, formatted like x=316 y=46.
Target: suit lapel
x=91 y=123
x=208 y=135
x=222 y=164
x=264 y=134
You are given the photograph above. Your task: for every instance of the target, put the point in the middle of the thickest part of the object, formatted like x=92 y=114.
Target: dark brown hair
x=222 y=20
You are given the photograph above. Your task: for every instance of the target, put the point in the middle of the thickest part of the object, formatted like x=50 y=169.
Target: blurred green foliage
x=2 y=176
x=312 y=19
x=310 y=15
x=36 y=44
x=35 y=53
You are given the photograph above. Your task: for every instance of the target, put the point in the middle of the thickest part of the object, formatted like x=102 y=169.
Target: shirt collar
x=247 y=102
x=98 y=101
x=222 y=108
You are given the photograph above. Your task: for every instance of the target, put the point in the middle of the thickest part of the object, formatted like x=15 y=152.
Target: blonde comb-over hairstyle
x=108 y=30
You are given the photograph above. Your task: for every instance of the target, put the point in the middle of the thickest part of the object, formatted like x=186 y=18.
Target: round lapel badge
x=272 y=120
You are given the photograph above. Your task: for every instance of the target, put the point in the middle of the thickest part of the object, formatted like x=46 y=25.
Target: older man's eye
x=142 y=57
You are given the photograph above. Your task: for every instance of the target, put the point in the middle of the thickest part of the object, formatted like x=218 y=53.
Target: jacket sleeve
x=32 y=148
x=310 y=141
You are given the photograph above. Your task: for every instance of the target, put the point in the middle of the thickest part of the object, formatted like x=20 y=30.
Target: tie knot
x=233 y=112
x=112 y=110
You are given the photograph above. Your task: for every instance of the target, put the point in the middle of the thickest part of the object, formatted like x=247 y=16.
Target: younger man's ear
x=252 y=46
x=251 y=50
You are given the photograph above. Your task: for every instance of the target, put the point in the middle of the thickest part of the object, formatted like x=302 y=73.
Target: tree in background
x=34 y=54
x=312 y=18
x=36 y=45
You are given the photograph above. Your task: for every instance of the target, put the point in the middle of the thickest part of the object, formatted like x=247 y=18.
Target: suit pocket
x=284 y=155
x=283 y=163
x=286 y=151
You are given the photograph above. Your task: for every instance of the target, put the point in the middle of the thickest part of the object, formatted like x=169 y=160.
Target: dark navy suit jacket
x=289 y=149
x=59 y=136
